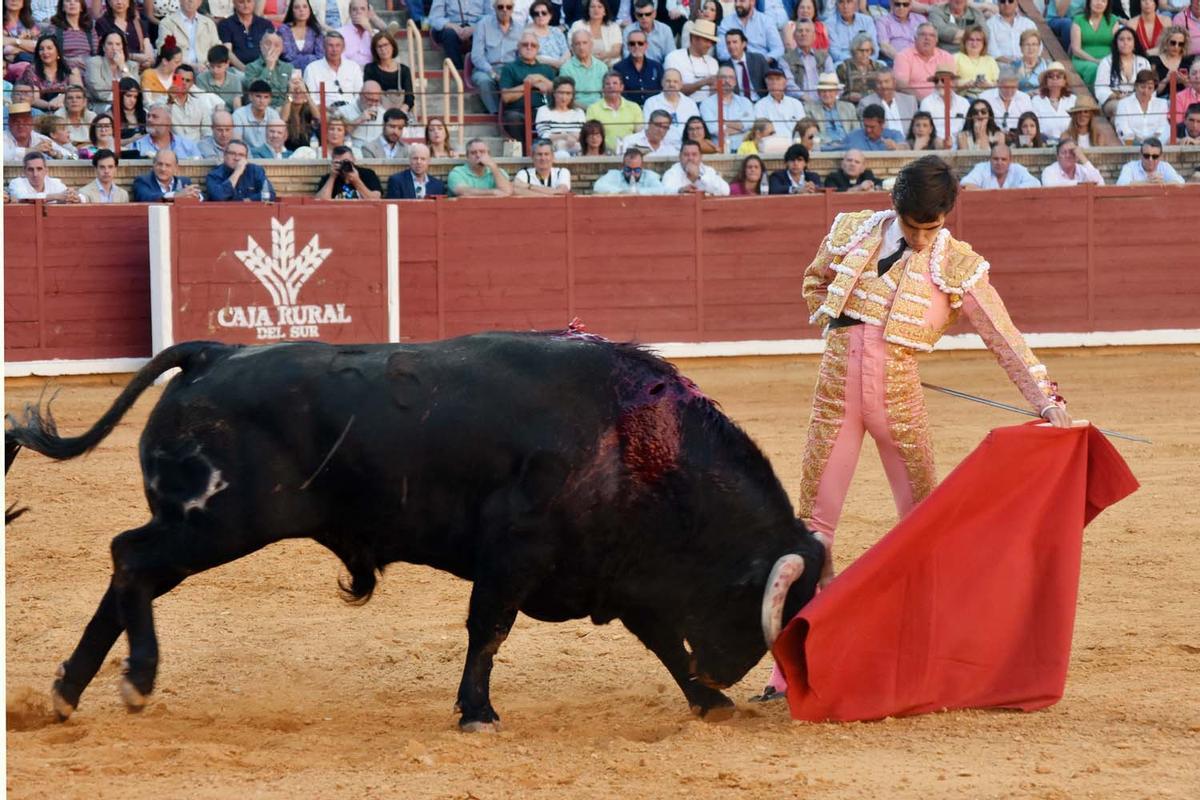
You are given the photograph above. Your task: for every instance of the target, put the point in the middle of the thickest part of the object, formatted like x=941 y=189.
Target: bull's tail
x=37 y=430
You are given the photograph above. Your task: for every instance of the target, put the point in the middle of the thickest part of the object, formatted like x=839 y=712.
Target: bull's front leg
x=489 y=620
x=667 y=644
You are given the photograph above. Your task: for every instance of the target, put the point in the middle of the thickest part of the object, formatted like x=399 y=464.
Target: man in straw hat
x=20 y=136
x=885 y=286
x=935 y=104
x=761 y=31
x=695 y=63
x=836 y=118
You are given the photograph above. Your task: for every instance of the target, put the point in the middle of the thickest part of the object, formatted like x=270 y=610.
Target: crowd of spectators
x=202 y=78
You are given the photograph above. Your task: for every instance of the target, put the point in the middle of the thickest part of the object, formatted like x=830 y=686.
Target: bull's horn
x=785 y=572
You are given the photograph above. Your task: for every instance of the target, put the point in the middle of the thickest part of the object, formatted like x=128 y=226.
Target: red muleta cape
x=970 y=601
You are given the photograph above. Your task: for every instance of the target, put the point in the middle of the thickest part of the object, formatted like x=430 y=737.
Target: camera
x=346 y=167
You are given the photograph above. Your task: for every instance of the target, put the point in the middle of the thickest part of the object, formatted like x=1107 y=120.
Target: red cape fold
x=970 y=601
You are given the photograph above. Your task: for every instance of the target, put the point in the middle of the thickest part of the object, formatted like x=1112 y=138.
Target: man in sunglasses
x=659 y=39
x=897 y=30
x=493 y=45
x=1150 y=168
x=641 y=72
x=631 y=178
x=1189 y=20
x=1004 y=32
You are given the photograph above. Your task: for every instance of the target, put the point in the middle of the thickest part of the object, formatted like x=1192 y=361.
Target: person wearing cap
x=836 y=118
x=251 y=119
x=935 y=104
x=915 y=66
x=37 y=184
x=694 y=63
x=1008 y=102
x=236 y=178
x=1142 y=115
x=999 y=172
x=641 y=72
x=777 y=106
x=762 y=34
x=846 y=23
x=19 y=135
x=389 y=144
x=1053 y=101
x=1071 y=167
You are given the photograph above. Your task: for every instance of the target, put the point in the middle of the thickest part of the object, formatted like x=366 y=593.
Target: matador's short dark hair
x=925 y=189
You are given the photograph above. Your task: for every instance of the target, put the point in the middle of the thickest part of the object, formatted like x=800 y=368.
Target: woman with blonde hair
x=976 y=70
x=437 y=138
x=1085 y=128
x=761 y=129
x=1172 y=58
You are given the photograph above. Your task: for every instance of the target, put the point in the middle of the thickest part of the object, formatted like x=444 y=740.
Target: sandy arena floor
x=270 y=686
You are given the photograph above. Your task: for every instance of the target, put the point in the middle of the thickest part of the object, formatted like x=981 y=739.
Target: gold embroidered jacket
x=919 y=297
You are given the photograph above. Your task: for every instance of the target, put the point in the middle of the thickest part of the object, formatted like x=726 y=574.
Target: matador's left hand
x=1057 y=416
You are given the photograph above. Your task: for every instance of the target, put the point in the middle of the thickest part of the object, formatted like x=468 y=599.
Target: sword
x=1024 y=411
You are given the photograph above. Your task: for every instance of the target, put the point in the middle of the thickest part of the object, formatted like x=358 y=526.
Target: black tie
x=886 y=263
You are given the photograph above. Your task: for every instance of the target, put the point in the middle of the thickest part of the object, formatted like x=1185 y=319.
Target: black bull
x=566 y=476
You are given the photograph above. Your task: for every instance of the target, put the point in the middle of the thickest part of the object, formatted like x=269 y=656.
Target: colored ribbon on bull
x=969 y=602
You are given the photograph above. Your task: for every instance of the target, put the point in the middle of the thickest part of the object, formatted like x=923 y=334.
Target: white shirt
x=21 y=189
x=1007 y=118
x=666 y=148
x=1004 y=40
x=558 y=177
x=709 y=181
x=895 y=120
x=1134 y=172
x=251 y=129
x=366 y=131
x=680 y=113
x=1133 y=123
x=14 y=152
x=936 y=105
x=341 y=85
x=1053 y=121
x=1017 y=177
x=1053 y=175
x=692 y=68
x=784 y=113
x=1104 y=87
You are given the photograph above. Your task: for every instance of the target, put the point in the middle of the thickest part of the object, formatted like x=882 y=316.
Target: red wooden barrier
x=653 y=269
x=76 y=282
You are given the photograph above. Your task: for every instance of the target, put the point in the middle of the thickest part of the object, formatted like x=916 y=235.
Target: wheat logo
x=283 y=274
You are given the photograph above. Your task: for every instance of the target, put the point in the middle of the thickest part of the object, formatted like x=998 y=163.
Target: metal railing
x=416 y=62
x=456 y=120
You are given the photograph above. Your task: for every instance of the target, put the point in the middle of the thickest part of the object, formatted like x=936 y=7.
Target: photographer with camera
x=347 y=181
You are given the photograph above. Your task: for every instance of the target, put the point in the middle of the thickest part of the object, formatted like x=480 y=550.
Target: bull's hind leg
x=668 y=645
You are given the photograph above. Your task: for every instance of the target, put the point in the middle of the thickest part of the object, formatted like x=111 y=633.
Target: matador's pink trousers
x=864 y=384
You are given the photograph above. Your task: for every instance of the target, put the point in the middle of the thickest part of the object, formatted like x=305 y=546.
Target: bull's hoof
x=715 y=707
x=63 y=707
x=479 y=727
x=134 y=699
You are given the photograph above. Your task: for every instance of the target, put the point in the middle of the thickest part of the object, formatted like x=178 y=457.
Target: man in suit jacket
x=835 y=117
x=388 y=144
x=103 y=189
x=897 y=106
x=749 y=68
x=180 y=22
x=415 y=183
x=162 y=184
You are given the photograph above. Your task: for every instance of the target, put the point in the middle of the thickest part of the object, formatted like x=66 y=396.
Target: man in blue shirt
x=641 y=73
x=493 y=45
x=760 y=31
x=873 y=135
x=847 y=23
x=237 y=178
x=243 y=30
x=452 y=23
x=160 y=135
x=998 y=172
